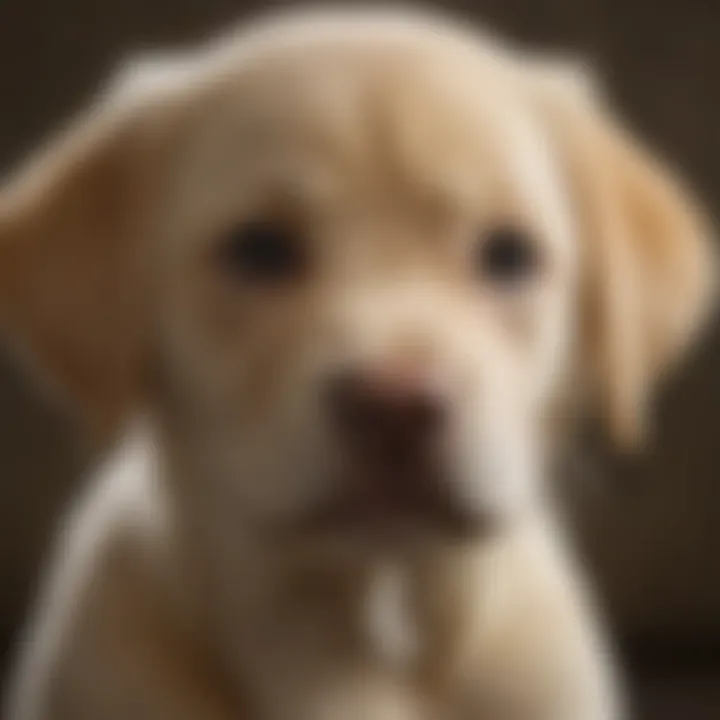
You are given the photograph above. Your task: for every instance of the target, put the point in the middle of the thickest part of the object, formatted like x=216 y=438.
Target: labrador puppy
x=344 y=280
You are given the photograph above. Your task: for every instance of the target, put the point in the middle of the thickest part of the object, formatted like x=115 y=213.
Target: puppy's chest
x=371 y=625
x=389 y=622
x=372 y=668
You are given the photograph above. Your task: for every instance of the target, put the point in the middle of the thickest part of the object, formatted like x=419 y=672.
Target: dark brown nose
x=390 y=419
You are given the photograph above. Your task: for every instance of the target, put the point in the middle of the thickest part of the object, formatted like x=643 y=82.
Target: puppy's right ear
x=74 y=234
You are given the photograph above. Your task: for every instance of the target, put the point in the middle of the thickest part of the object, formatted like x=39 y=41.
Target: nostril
x=354 y=408
x=341 y=397
x=423 y=414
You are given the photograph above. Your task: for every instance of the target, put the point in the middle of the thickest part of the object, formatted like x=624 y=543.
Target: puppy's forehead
x=354 y=112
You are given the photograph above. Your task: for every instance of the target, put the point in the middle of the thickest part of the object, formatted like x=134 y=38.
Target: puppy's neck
x=409 y=617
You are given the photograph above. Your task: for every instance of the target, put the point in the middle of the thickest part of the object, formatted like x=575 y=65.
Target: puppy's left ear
x=74 y=241
x=650 y=271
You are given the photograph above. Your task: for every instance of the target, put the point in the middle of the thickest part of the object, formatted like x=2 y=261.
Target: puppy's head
x=354 y=265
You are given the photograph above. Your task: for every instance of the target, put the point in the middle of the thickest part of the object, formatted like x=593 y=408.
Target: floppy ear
x=649 y=260
x=74 y=234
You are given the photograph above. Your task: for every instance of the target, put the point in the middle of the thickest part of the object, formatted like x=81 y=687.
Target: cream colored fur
x=400 y=138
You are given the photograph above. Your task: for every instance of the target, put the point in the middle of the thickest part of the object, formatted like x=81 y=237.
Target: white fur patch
x=390 y=625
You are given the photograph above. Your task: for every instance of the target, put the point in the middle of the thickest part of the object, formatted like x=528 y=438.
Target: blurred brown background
x=651 y=527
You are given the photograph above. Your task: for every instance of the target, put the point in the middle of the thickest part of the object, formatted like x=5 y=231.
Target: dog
x=341 y=283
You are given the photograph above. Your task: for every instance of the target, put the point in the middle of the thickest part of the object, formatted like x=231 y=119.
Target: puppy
x=344 y=279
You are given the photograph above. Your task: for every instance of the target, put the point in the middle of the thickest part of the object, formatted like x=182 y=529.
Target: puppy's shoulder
x=542 y=646
x=103 y=582
x=120 y=519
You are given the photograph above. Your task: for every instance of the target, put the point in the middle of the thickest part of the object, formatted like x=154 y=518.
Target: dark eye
x=507 y=256
x=262 y=252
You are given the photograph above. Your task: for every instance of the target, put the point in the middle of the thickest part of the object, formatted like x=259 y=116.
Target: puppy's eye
x=262 y=252
x=507 y=256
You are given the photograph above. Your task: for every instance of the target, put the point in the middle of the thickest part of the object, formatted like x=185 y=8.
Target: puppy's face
x=371 y=272
x=367 y=278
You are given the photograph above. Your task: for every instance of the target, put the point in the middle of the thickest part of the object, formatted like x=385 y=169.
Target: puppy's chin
x=372 y=520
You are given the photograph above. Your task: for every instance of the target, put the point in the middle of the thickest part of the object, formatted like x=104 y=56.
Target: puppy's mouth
x=394 y=503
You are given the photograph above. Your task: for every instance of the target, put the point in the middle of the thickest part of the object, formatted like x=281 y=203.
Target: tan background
x=653 y=528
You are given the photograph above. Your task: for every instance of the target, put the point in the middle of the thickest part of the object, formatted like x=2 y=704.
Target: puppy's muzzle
x=391 y=423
